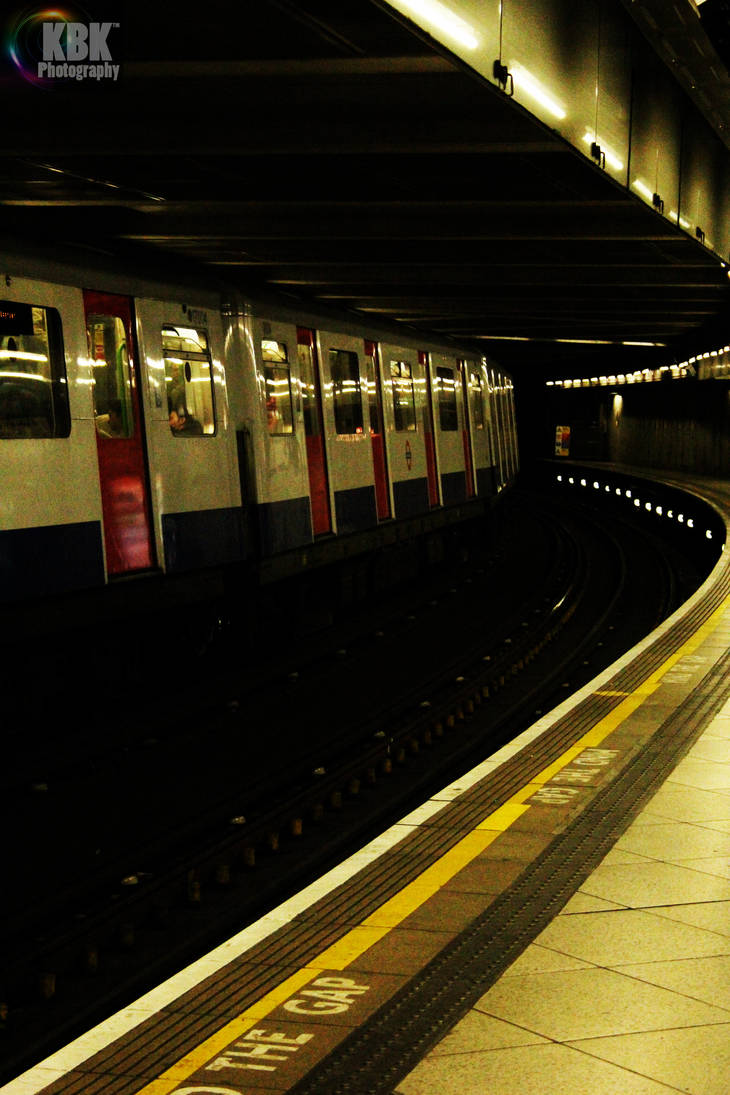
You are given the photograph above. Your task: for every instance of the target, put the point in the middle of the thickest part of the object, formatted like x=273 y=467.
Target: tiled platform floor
x=627 y=991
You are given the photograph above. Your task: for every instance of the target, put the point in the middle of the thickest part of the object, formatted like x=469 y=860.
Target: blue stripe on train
x=38 y=562
x=202 y=538
x=410 y=497
x=288 y=524
x=284 y=525
x=485 y=481
x=355 y=509
x=453 y=487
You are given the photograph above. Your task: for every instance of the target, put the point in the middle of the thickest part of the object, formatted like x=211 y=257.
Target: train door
x=466 y=433
x=498 y=429
x=449 y=420
x=319 y=489
x=375 y=399
x=125 y=496
x=480 y=439
x=428 y=435
x=511 y=413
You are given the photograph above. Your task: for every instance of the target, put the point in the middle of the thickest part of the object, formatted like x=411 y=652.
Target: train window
x=371 y=372
x=189 y=380
x=446 y=388
x=33 y=387
x=477 y=404
x=345 y=373
x=308 y=382
x=404 y=400
x=277 y=378
x=112 y=389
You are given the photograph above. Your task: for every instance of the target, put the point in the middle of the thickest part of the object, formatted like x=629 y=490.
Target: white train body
x=151 y=428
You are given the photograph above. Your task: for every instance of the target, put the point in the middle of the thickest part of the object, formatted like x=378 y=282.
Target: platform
x=627 y=990
x=557 y=920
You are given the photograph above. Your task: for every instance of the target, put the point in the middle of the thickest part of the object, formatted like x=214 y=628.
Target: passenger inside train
x=111 y=424
x=183 y=423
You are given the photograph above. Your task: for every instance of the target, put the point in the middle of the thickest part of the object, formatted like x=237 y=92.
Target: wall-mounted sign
x=562 y=440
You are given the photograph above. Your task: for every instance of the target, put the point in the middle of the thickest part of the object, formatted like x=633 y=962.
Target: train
x=158 y=427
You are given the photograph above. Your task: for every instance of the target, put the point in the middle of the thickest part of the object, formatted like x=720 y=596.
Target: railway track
x=470 y=669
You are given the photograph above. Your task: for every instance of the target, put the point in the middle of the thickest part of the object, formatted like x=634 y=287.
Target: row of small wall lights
x=647 y=376
x=629 y=494
x=702 y=365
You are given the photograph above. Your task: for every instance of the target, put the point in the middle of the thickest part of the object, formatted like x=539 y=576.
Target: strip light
x=643 y=189
x=526 y=82
x=678 y=371
x=442 y=18
x=611 y=158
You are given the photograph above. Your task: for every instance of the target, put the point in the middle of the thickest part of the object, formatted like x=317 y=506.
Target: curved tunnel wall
x=683 y=425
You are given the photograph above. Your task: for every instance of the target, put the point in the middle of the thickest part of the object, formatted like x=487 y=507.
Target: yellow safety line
x=394 y=911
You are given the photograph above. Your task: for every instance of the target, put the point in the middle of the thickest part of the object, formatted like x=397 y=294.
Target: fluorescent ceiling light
x=526 y=82
x=586 y=341
x=442 y=18
x=611 y=158
x=642 y=189
x=569 y=341
x=681 y=221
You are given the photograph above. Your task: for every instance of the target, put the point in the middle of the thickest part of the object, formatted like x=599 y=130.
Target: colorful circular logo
x=49 y=46
x=25 y=41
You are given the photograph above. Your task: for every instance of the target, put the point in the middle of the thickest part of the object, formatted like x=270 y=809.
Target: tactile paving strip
x=380 y=1053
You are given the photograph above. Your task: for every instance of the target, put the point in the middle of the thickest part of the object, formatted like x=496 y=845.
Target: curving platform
x=557 y=920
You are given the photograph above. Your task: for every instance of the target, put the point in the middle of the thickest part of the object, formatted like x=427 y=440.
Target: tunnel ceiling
x=326 y=150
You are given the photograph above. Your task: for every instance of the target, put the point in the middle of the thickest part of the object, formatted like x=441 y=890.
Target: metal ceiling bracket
x=503 y=77
x=598 y=155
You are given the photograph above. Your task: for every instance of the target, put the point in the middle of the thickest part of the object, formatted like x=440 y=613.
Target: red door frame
x=380 y=469
x=466 y=432
x=125 y=496
x=319 y=487
x=429 y=435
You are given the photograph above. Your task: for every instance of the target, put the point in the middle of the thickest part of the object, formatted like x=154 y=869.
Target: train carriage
x=453 y=455
x=146 y=428
x=268 y=411
x=50 y=503
x=406 y=415
x=476 y=389
x=195 y=495
x=346 y=414
x=503 y=427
